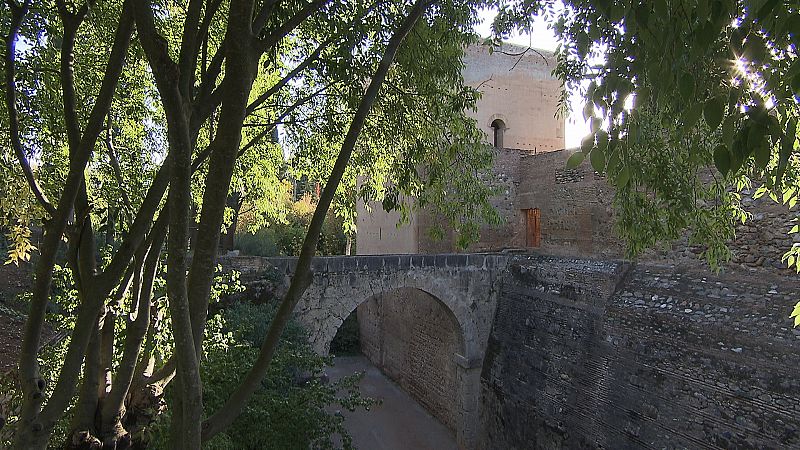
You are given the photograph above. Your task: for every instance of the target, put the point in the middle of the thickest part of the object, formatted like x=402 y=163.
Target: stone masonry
x=599 y=354
x=413 y=338
x=557 y=352
x=456 y=293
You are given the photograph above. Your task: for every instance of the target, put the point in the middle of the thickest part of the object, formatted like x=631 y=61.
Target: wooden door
x=534 y=227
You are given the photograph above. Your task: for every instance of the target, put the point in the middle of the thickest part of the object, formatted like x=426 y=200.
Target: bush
x=261 y=243
x=286 y=238
x=291 y=409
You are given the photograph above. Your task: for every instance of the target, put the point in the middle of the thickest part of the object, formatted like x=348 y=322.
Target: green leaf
x=755 y=137
x=796 y=314
x=624 y=177
x=575 y=160
x=734 y=95
x=582 y=43
x=642 y=96
x=587 y=143
x=722 y=159
x=642 y=15
x=598 y=160
x=602 y=139
x=613 y=160
x=633 y=131
x=692 y=115
x=728 y=133
x=588 y=110
x=785 y=151
x=796 y=85
x=661 y=9
x=712 y=112
x=765 y=10
x=762 y=155
x=686 y=86
x=595 y=124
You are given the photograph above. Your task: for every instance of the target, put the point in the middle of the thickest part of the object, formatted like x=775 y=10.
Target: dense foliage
x=296 y=406
x=286 y=236
x=140 y=129
x=690 y=102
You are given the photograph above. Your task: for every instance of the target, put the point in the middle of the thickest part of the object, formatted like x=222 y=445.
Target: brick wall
x=413 y=339
x=575 y=205
x=587 y=354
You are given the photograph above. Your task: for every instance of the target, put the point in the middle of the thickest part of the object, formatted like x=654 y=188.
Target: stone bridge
x=468 y=285
x=557 y=352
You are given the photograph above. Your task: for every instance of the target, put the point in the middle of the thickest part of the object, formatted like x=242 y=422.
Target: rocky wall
x=589 y=354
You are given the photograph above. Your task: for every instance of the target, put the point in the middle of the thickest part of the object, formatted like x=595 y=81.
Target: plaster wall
x=518 y=88
x=379 y=232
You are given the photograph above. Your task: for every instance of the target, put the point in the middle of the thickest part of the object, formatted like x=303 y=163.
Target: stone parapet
x=369 y=263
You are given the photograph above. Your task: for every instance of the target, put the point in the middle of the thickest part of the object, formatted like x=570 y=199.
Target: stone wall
x=414 y=339
x=575 y=206
x=593 y=354
x=757 y=248
x=517 y=87
x=505 y=177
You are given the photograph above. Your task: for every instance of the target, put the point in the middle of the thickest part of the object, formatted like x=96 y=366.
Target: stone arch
x=448 y=313
x=339 y=299
x=498 y=132
x=465 y=286
x=494 y=117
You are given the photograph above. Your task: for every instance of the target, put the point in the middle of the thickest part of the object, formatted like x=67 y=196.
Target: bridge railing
x=375 y=263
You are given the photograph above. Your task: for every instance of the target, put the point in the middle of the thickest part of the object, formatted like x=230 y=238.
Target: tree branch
x=63 y=391
x=71 y=23
x=190 y=46
x=302 y=278
x=280 y=32
x=115 y=167
x=263 y=15
x=17 y=15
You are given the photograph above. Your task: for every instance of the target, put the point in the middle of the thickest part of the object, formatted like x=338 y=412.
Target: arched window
x=499 y=127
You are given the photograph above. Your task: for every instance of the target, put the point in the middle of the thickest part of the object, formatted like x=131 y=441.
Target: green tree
x=128 y=116
x=690 y=101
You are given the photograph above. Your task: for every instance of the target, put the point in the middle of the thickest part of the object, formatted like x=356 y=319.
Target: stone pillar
x=468 y=401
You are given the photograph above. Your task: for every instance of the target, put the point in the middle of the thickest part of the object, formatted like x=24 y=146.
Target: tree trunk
x=223 y=417
x=233 y=202
x=35 y=424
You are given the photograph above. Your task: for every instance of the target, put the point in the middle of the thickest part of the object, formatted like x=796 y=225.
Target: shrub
x=261 y=243
x=291 y=409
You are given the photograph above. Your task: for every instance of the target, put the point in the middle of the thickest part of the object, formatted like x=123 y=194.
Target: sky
x=543 y=38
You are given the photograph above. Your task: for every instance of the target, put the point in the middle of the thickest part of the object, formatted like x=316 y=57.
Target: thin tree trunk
x=223 y=417
x=113 y=408
x=234 y=202
x=86 y=407
x=241 y=70
x=35 y=426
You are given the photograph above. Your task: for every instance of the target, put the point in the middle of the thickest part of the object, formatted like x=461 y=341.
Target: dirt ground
x=13 y=280
x=398 y=422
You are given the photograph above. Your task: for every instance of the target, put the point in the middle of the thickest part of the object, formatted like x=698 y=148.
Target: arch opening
x=498 y=130
x=413 y=338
